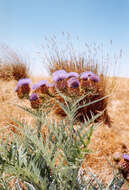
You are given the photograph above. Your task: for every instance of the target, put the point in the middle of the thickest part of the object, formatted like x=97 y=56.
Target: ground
x=105 y=140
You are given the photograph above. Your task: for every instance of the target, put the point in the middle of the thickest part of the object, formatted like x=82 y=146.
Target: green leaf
x=29 y=186
x=18 y=186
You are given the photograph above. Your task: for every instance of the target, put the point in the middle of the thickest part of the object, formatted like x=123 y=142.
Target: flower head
x=59 y=75
x=85 y=75
x=35 y=101
x=126 y=157
x=89 y=75
x=72 y=74
x=73 y=82
x=33 y=97
x=39 y=84
x=21 y=82
x=94 y=78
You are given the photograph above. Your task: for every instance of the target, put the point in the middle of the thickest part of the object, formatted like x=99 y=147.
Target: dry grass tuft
x=12 y=66
x=13 y=71
x=20 y=71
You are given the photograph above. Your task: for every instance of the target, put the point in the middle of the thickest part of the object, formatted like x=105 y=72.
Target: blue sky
x=25 y=23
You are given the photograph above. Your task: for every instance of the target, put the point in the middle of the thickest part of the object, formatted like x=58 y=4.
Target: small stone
x=117 y=156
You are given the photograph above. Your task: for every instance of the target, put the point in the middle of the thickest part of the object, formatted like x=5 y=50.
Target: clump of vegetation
x=12 y=66
x=84 y=87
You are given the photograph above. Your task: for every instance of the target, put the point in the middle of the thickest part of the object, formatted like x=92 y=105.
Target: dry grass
x=13 y=71
x=12 y=66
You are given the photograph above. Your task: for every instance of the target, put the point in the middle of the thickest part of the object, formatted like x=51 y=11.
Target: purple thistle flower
x=59 y=75
x=39 y=84
x=126 y=157
x=33 y=97
x=85 y=75
x=72 y=74
x=73 y=82
x=22 y=82
x=94 y=78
